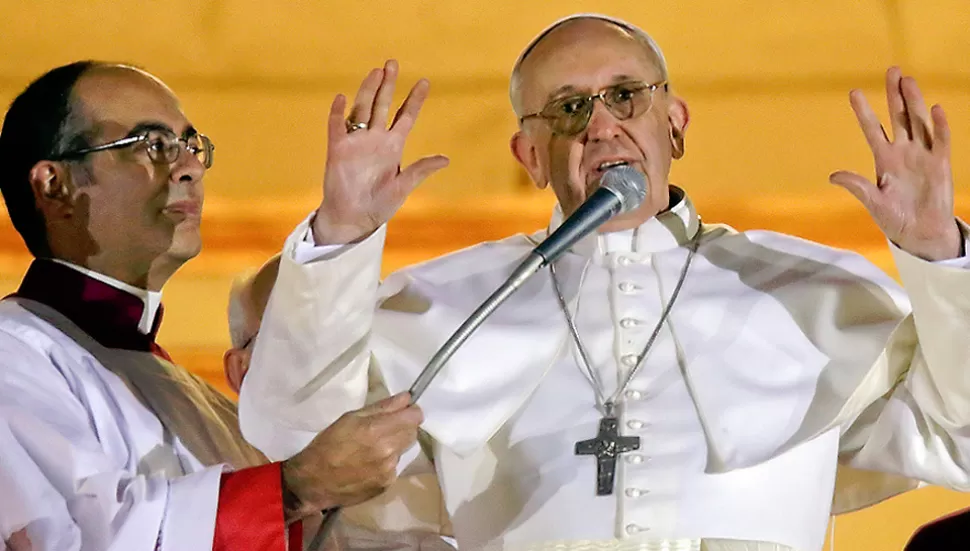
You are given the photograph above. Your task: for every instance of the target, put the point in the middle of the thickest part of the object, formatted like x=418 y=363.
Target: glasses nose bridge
x=591 y=127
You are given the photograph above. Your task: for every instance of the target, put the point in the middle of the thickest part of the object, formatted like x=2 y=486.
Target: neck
x=162 y=269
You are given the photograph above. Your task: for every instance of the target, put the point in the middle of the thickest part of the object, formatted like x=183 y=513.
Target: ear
x=53 y=191
x=235 y=363
x=524 y=151
x=678 y=117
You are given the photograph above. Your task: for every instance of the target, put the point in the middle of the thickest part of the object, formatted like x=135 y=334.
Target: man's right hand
x=352 y=460
x=364 y=184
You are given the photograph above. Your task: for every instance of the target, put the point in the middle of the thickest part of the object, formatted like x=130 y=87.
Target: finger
x=409 y=417
x=859 y=186
x=387 y=405
x=364 y=102
x=385 y=94
x=406 y=116
x=941 y=129
x=420 y=170
x=336 y=126
x=868 y=121
x=898 y=116
x=918 y=114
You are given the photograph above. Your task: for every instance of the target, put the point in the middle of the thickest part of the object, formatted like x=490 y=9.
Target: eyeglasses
x=163 y=147
x=249 y=341
x=569 y=116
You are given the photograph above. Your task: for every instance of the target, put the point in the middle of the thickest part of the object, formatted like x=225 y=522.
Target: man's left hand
x=912 y=201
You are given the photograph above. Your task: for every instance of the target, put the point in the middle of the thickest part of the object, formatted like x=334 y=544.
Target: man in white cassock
x=104 y=443
x=670 y=384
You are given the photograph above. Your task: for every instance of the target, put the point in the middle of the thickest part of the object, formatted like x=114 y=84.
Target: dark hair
x=39 y=125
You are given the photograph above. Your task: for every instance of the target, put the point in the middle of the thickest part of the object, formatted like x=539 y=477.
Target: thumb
x=391 y=404
x=859 y=186
x=418 y=171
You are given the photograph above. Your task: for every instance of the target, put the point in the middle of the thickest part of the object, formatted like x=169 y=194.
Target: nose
x=603 y=125
x=187 y=167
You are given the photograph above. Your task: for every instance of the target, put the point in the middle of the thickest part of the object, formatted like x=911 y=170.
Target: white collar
x=151 y=299
x=670 y=229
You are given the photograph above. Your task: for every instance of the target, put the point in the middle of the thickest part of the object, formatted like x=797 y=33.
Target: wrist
x=328 y=231
x=950 y=244
x=298 y=502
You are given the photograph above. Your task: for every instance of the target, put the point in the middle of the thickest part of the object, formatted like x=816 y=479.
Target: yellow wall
x=766 y=81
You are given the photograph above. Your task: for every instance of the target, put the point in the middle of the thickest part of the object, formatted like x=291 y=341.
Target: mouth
x=186 y=209
x=593 y=176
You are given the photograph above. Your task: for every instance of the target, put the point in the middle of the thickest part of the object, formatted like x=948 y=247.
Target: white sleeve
x=312 y=357
x=921 y=429
x=60 y=484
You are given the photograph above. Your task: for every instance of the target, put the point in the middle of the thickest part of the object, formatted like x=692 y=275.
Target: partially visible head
x=248 y=298
x=115 y=210
x=575 y=58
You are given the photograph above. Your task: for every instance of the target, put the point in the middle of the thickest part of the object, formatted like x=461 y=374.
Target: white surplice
x=83 y=464
x=781 y=360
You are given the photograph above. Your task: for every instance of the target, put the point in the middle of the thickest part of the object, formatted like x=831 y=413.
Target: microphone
x=622 y=189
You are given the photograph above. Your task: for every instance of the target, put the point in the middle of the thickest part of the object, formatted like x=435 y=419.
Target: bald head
x=248 y=298
x=577 y=31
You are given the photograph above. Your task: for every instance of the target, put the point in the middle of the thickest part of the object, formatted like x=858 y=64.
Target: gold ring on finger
x=355 y=126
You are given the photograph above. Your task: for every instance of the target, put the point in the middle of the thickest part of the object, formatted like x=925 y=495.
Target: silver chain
x=607 y=405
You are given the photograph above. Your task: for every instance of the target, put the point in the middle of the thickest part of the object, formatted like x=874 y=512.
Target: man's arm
x=920 y=427
x=312 y=355
x=312 y=359
x=66 y=484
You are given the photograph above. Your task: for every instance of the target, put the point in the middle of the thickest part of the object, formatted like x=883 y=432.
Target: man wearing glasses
x=104 y=443
x=669 y=385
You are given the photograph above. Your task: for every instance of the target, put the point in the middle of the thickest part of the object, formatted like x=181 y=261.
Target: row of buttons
x=630 y=361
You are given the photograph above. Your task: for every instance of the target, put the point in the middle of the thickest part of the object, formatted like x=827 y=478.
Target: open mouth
x=604 y=166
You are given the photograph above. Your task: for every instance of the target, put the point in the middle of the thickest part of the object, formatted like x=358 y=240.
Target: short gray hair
x=636 y=32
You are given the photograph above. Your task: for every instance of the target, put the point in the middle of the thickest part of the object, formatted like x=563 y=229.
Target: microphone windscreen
x=628 y=183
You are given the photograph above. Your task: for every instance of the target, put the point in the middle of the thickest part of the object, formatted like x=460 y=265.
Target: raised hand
x=352 y=460
x=364 y=184
x=912 y=199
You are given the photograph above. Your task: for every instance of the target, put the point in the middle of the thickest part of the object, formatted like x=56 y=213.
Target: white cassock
x=84 y=463
x=781 y=361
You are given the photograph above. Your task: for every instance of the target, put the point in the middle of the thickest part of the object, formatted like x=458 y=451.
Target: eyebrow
x=570 y=89
x=147 y=126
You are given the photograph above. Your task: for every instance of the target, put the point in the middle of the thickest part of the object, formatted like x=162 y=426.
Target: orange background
x=766 y=81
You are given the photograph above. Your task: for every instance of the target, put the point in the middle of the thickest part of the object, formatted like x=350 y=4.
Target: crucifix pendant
x=607 y=445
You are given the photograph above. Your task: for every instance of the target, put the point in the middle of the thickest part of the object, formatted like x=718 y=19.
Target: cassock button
x=634 y=424
x=633 y=394
x=627 y=287
x=628 y=323
x=630 y=360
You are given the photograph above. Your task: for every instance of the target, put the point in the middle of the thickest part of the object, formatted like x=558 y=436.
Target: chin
x=629 y=220
x=185 y=247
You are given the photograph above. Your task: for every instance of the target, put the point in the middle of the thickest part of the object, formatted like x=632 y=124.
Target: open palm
x=912 y=198
x=364 y=184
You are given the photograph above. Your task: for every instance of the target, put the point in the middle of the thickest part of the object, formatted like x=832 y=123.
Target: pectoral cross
x=607 y=445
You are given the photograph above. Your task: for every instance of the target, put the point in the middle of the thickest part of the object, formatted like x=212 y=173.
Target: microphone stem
x=529 y=266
